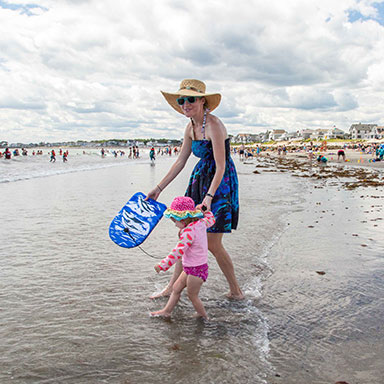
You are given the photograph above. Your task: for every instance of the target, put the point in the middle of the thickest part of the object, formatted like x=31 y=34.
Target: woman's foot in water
x=236 y=296
x=200 y=316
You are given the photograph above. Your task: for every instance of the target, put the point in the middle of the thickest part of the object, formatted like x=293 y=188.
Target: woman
x=213 y=183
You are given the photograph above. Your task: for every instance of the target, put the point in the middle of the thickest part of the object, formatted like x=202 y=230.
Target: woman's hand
x=207 y=201
x=154 y=194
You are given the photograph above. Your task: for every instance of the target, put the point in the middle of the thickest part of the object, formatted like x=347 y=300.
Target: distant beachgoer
x=53 y=156
x=152 y=155
x=322 y=159
x=102 y=152
x=310 y=155
x=340 y=153
x=7 y=154
x=380 y=153
x=192 y=249
x=241 y=152
x=65 y=157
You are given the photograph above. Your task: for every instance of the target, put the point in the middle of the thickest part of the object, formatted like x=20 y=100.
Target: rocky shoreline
x=348 y=177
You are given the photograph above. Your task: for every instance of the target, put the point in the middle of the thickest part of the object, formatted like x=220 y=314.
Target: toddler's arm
x=208 y=219
x=185 y=241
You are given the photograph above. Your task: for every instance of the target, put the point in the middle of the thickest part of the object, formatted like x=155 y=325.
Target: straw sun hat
x=192 y=87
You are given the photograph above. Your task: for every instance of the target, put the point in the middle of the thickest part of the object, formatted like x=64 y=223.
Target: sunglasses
x=190 y=99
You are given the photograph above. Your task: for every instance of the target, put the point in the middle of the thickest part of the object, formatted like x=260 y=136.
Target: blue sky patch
x=354 y=15
x=24 y=9
x=380 y=12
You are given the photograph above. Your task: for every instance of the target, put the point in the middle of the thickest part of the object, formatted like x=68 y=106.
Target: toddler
x=192 y=249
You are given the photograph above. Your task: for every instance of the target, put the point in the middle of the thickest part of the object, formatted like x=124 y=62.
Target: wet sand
x=324 y=298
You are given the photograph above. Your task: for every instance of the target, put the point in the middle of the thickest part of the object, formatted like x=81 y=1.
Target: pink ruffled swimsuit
x=192 y=248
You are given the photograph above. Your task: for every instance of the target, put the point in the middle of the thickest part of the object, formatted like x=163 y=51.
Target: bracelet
x=208 y=194
x=159 y=187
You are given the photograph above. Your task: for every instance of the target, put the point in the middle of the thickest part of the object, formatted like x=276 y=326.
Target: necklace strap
x=204 y=122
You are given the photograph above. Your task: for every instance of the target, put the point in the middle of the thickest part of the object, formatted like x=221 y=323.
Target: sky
x=93 y=69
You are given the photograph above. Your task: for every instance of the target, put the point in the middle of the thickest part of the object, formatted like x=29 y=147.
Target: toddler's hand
x=157 y=268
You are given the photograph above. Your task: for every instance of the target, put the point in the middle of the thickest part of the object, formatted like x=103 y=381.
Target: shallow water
x=74 y=306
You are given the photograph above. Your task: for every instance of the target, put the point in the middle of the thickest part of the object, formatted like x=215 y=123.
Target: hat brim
x=213 y=99
x=182 y=215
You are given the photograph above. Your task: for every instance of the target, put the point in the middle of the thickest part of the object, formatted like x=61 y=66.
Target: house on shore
x=319 y=134
x=364 y=131
x=276 y=134
x=246 y=138
x=380 y=132
x=306 y=133
x=336 y=133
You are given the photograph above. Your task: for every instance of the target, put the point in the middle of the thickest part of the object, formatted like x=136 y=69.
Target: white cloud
x=93 y=69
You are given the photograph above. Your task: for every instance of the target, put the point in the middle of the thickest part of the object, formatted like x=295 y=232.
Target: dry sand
x=353 y=157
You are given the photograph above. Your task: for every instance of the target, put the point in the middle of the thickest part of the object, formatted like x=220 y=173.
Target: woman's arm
x=217 y=134
x=177 y=166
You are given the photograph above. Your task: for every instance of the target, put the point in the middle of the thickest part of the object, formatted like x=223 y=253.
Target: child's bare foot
x=164 y=293
x=161 y=313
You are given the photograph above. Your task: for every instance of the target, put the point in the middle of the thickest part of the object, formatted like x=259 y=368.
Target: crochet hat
x=183 y=207
x=192 y=87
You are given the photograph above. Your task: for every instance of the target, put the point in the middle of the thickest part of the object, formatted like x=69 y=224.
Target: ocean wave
x=31 y=167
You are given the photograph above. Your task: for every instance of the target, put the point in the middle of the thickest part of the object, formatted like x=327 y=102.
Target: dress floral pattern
x=225 y=204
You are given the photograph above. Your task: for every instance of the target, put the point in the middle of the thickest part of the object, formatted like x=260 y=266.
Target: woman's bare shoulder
x=188 y=132
x=216 y=126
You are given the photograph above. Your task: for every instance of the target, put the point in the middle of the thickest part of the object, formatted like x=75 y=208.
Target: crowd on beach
x=132 y=153
x=318 y=151
x=7 y=154
x=313 y=150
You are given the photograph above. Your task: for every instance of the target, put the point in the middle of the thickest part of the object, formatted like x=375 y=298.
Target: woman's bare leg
x=215 y=245
x=168 y=289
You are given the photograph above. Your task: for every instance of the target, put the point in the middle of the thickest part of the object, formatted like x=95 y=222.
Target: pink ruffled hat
x=183 y=207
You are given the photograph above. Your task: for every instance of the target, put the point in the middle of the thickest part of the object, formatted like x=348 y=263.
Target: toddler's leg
x=178 y=287
x=193 y=288
x=178 y=268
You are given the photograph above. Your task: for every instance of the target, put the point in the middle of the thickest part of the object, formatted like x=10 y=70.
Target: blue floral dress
x=225 y=204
